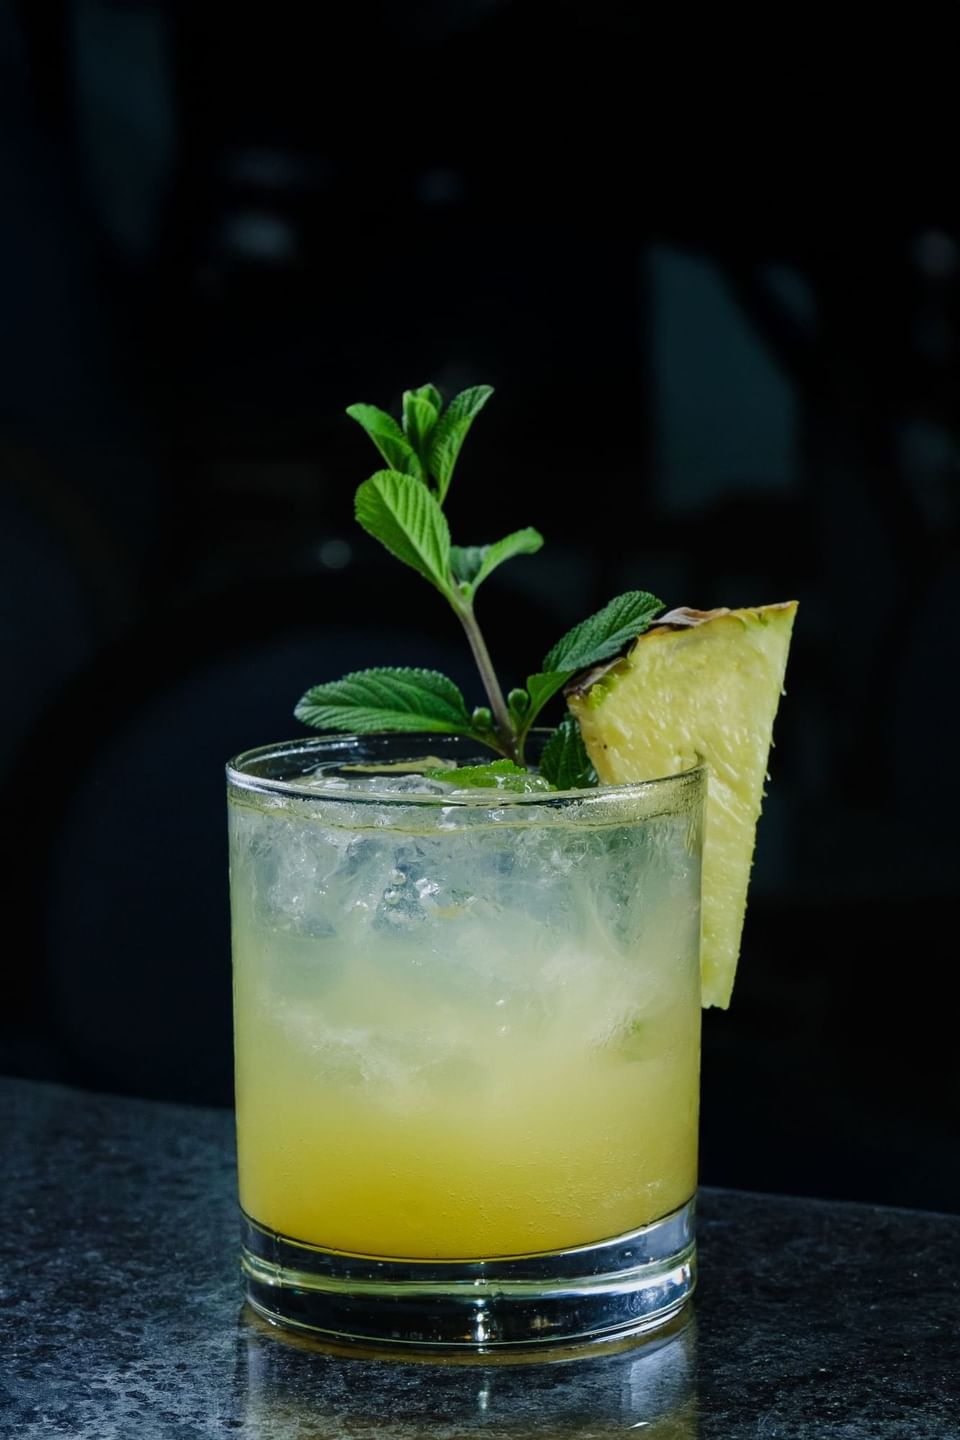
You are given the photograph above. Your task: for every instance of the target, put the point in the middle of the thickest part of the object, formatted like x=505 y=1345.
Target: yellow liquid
x=386 y=1116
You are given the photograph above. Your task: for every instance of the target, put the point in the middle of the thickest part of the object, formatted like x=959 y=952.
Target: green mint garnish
x=472 y=565
x=403 y=515
x=603 y=634
x=450 y=433
x=402 y=507
x=421 y=411
x=388 y=438
x=498 y=775
x=371 y=701
x=564 y=761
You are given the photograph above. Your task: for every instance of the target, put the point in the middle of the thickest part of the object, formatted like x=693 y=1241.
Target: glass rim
x=663 y=786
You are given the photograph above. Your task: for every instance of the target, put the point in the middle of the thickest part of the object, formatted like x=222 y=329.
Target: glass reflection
x=286 y=1386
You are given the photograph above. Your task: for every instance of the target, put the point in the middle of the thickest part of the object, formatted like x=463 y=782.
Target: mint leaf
x=521 y=542
x=565 y=761
x=420 y=415
x=388 y=699
x=451 y=431
x=388 y=438
x=604 y=633
x=541 y=687
x=405 y=517
x=431 y=393
x=471 y=564
x=544 y=685
x=498 y=775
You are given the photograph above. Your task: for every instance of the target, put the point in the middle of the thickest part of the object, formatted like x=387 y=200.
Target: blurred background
x=217 y=231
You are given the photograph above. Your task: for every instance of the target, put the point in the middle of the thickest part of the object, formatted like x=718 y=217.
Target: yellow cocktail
x=467 y=1025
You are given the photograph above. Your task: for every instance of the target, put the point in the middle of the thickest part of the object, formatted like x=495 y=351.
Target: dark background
x=727 y=383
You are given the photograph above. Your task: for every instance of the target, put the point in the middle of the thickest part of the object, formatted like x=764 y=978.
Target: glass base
x=632 y=1285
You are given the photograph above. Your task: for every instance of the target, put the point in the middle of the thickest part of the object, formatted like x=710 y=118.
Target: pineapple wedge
x=702 y=685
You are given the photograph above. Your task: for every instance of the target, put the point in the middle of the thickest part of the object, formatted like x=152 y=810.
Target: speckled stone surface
x=121 y=1314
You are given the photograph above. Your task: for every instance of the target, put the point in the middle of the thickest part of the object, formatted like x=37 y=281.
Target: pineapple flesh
x=700 y=687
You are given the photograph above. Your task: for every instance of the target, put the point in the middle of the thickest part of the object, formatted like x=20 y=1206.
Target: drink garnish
x=699 y=687
x=402 y=507
x=693 y=687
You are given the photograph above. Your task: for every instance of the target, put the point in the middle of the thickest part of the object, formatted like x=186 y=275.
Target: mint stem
x=498 y=706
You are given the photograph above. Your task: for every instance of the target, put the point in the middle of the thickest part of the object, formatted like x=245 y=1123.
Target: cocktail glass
x=467 y=1048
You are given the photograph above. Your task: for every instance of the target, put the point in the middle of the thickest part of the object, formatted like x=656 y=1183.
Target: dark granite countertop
x=121 y=1314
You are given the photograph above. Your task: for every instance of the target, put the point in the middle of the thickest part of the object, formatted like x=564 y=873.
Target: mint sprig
x=402 y=507
x=498 y=775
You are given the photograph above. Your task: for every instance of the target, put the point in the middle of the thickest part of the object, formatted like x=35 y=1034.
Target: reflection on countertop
x=646 y=1386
